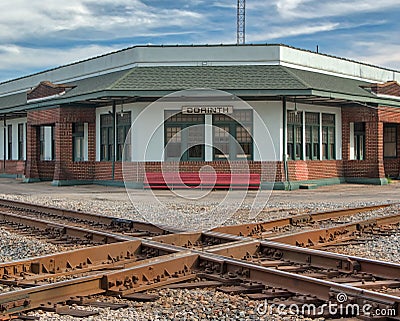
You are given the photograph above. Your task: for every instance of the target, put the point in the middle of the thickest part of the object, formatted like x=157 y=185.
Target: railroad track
x=81 y=219
x=263 y=269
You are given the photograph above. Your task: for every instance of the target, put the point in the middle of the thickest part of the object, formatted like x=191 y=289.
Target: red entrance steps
x=201 y=180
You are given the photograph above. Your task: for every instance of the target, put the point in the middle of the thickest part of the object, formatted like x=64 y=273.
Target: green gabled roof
x=243 y=80
x=95 y=84
x=329 y=83
x=12 y=100
x=215 y=77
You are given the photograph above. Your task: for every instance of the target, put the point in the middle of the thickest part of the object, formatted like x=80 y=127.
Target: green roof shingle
x=215 y=77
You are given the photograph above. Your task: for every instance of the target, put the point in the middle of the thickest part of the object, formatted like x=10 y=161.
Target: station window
x=106 y=137
x=123 y=139
x=359 y=141
x=312 y=135
x=232 y=136
x=78 y=134
x=221 y=143
x=390 y=141
x=21 y=141
x=328 y=136
x=47 y=143
x=9 y=141
x=184 y=136
x=294 y=135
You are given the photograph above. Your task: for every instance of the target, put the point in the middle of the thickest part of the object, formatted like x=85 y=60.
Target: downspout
x=4 y=141
x=285 y=162
x=114 y=115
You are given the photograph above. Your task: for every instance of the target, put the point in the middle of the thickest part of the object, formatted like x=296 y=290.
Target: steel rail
x=273 y=250
x=71 y=262
x=63 y=229
x=109 y=221
x=257 y=229
x=222 y=258
x=276 y=252
x=180 y=267
x=317 y=238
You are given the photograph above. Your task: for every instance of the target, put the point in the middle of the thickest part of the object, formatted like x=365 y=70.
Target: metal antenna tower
x=241 y=22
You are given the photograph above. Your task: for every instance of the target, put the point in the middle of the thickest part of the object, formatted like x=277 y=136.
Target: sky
x=36 y=35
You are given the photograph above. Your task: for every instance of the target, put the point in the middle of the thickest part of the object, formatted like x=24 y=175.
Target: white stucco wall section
x=267 y=130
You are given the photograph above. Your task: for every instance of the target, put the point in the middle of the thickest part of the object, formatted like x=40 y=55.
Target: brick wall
x=45 y=170
x=392 y=166
x=388 y=88
x=12 y=167
x=314 y=170
x=372 y=166
x=63 y=167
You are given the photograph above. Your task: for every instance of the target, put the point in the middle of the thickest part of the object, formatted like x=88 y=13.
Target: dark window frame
x=9 y=142
x=78 y=139
x=295 y=129
x=123 y=140
x=177 y=120
x=328 y=137
x=106 y=137
x=241 y=120
x=42 y=143
x=310 y=127
x=395 y=142
x=53 y=143
x=359 y=141
x=21 y=139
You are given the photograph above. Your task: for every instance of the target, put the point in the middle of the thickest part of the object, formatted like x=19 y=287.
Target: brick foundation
x=12 y=167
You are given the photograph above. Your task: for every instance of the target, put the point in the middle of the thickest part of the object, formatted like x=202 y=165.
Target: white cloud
x=31 y=31
x=121 y=18
x=295 y=30
x=18 y=58
x=376 y=54
x=310 y=9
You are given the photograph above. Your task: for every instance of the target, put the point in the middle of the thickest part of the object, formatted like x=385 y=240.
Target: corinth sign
x=205 y=110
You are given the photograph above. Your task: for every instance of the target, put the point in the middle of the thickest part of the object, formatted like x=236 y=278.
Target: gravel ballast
x=204 y=304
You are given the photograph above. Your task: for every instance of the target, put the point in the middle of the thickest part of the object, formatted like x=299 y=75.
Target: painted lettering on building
x=206 y=110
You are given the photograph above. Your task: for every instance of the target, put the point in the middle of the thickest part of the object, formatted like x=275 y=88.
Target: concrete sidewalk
x=334 y=193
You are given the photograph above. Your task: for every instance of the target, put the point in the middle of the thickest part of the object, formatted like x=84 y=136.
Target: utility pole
x=241 y=22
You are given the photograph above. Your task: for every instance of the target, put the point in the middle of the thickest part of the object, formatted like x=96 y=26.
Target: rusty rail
x=258 y=229
x=130 y=265
x=129 y=226
x=183 y=266
x=62 y=229
x=318 y=238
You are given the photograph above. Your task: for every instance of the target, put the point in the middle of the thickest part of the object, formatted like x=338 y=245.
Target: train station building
x=330 y=119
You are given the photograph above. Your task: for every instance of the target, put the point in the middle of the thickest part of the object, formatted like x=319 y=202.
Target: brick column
x=63 y=154
x=32 y=154
x=374 y=147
